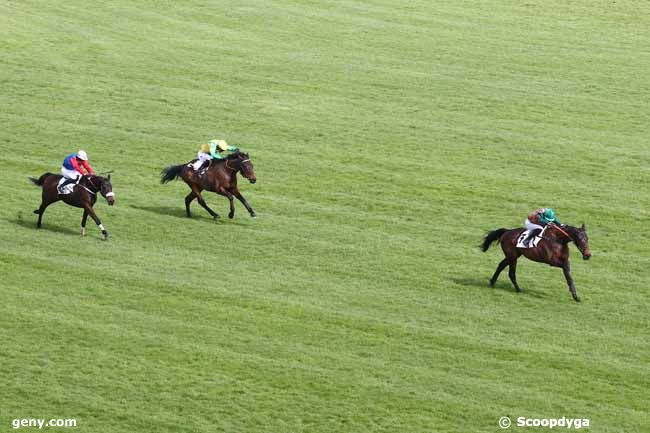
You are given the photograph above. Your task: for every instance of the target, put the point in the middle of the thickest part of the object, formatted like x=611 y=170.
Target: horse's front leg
x=241 y=198
x=92 y=214
x=567 y=274
x=224 y=192
x=84 y=218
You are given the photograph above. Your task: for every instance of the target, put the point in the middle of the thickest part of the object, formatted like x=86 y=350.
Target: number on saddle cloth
x=532 y=243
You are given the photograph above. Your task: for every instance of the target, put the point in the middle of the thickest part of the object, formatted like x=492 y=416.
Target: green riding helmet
x=549 y=215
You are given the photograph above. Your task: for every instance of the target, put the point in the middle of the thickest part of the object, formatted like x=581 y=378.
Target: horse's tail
x=40 y=180
x=170 y=173
x=492 y=236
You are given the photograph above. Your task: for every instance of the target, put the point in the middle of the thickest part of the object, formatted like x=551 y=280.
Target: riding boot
x=204 y=166
x=531 y=237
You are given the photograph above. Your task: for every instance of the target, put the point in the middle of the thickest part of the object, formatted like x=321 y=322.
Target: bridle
x=240 y=162
x=108 y=194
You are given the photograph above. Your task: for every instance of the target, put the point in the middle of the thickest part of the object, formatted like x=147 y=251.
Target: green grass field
x=387 y=138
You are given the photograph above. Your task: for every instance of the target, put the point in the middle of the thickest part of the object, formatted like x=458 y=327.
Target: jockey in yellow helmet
x=213 y=149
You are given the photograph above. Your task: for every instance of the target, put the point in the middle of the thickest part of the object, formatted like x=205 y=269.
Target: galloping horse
x=84 y=196
x=552 y=249
x=219 y=177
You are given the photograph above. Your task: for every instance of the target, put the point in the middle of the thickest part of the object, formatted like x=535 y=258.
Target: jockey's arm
x=214 y=153
x=87 y=167
x=75 y=165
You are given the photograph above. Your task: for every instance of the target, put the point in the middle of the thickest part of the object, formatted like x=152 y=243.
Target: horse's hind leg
x=204 y=205
x=567 y=274
x=500 y=268
x=512 y=273
x=46 y=200
x=191 y=196
x=40 y=211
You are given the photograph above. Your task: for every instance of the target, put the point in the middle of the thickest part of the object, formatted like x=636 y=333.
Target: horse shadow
x=505 y=285
x=29 y=224
x=173 y=211
x=178 y=212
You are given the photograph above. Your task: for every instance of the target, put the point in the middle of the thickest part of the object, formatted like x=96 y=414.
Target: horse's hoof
x=231 y=215
x=253 y=215
x=216 y=217
x=105 y=235
x=36 y=212
x=83 y=232
x=577 y=299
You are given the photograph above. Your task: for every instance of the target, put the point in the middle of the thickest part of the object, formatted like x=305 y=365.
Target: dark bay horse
x=552 y=249
x=83 y=196
x=219 y=177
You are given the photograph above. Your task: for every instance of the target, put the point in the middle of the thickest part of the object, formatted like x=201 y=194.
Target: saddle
x=534 y=241
x=68 y=189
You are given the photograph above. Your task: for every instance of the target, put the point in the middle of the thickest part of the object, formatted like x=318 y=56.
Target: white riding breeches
x=531 y=226
x=70 y=174
x=202 y=156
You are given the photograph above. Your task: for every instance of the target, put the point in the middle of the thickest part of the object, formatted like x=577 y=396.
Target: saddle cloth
x=66 y=189
x=533 y=242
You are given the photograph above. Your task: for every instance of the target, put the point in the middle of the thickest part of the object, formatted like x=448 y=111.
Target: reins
x=562 y=231
x=88 y=189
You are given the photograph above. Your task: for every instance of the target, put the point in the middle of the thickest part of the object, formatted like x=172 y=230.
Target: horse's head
x=106 y=190
x=246 y=166
x=579 y=236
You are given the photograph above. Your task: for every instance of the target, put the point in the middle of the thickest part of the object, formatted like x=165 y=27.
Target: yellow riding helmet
x=221 y=144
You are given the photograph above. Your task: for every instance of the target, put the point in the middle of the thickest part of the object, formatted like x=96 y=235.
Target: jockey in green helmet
x=537 y=220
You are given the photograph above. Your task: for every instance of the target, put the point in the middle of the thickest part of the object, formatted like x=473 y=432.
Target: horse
x=84 y=195
x=219 y=177
x=552 y=249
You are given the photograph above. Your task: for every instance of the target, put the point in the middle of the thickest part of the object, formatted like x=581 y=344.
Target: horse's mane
x=571 y=229
x=234 y=155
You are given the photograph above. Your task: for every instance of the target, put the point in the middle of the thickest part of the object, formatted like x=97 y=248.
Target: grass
x=386 y=140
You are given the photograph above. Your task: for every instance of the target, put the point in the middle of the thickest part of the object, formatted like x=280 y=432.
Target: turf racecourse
x=387 y=137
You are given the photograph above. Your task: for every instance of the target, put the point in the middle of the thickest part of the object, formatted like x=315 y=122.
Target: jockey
x=536 y=222
x=213 y=149
x=73 y=167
